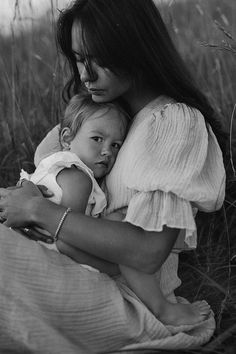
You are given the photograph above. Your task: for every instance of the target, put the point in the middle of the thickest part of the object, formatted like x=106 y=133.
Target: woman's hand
x=15 y=204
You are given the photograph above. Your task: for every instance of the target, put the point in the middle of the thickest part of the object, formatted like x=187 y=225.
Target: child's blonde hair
x=81 y=107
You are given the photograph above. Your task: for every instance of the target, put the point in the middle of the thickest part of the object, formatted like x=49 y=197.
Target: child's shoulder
x=64 y=160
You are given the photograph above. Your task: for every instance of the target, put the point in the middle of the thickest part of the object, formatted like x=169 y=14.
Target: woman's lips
x=95 y=91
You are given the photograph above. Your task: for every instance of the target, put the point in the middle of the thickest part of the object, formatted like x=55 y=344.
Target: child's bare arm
x=76 y=187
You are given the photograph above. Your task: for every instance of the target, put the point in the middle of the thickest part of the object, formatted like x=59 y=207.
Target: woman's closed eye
x=82 y=59
x=79 y=58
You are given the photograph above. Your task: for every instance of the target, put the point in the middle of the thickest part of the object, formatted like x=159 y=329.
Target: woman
x=169 y=167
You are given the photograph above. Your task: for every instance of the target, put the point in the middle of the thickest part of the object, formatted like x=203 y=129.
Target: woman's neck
x=138 y=99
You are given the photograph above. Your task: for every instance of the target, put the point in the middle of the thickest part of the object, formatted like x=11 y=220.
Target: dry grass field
x=31 y=81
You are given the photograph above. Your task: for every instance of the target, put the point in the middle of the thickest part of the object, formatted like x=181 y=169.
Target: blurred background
x=32 y=75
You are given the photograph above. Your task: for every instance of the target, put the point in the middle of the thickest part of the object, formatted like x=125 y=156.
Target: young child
x=91 y=135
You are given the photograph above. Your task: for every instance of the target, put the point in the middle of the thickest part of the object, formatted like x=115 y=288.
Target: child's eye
x=98 y=139
x=116 y=145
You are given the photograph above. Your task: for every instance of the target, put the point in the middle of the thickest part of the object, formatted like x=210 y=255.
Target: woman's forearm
x=114 y=241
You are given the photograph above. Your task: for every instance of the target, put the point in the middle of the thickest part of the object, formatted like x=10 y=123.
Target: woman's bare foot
x=183 y=314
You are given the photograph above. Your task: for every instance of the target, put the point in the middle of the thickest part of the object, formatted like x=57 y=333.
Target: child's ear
x=65 y=138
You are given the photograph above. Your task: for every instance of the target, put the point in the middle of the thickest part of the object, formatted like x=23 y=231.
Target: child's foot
x=184 y=314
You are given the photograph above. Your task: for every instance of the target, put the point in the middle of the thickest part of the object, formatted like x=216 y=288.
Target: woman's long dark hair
x=129 y=37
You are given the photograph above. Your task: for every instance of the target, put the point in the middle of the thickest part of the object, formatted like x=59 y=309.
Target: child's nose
x=106 y=151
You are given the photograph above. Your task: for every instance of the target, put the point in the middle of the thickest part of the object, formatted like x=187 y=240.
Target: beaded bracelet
x=68 y=210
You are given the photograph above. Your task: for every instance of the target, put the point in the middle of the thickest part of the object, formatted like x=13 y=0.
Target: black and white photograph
x=117 y=176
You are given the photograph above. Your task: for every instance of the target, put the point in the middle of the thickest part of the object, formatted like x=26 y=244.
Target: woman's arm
x=115 y=241
x=85 y=258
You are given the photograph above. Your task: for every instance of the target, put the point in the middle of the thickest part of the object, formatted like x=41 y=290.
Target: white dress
x=169 y=165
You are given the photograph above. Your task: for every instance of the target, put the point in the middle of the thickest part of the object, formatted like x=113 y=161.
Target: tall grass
x=31 y=81
x=30 y=97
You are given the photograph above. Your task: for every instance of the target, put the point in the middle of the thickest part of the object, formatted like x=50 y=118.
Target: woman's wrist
x=38 y=207
x=60 y=224
x=47 y=215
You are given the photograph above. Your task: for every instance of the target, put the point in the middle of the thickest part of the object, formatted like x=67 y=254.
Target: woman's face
x=105 y=86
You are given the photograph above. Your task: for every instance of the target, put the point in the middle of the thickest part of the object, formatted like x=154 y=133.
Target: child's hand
x=116 y=216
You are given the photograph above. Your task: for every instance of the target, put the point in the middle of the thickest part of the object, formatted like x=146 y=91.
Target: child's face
x=99 y=139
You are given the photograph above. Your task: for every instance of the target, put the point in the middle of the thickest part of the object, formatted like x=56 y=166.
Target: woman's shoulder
x=166 y=113
x=176 y=112
x=167 y=122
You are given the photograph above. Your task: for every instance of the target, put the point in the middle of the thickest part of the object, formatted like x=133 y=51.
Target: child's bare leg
x=147 y=288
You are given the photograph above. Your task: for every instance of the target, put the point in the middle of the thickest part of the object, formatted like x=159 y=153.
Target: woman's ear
x=65 y=138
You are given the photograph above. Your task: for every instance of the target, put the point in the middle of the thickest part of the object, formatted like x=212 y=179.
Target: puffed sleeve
x=174 y=167
x=48 y=146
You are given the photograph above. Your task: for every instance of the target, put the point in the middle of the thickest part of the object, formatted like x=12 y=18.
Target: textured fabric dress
x=169 y=166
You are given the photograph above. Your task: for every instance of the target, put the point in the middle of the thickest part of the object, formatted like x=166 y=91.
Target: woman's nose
x=84 y=73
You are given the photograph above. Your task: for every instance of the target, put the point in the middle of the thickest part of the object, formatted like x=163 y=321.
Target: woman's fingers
x=30 y=187
x=36 y=235
x=45 y=192
x=15 y=206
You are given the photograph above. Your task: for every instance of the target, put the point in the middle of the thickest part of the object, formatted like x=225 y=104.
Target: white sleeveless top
x=48 y=169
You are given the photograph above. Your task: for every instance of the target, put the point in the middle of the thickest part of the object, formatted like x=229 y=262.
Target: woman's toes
x=202 y=307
